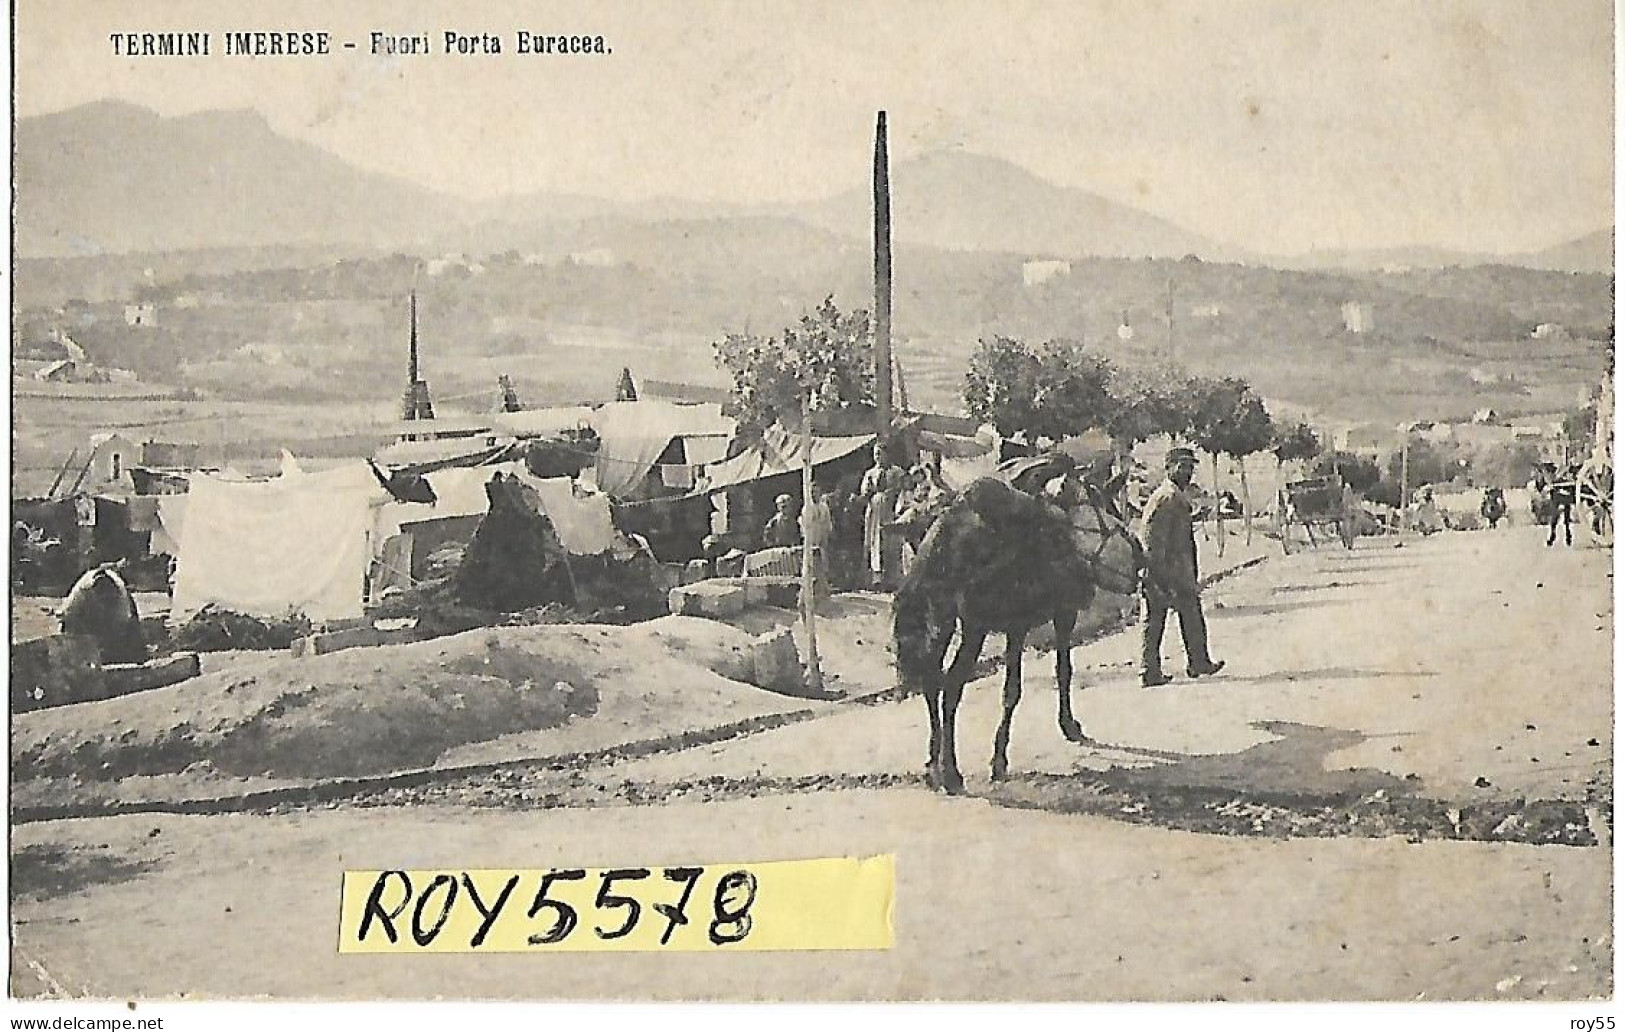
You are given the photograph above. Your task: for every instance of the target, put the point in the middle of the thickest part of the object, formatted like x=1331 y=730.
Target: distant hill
x=971 y=202
x=1593 y=252
x=111 y=177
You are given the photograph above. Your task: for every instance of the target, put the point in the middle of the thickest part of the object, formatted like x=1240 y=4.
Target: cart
x=1315 y=502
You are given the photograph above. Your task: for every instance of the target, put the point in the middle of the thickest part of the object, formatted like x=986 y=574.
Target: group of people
x=862 y=532
x=899 y=506
x=882 y=521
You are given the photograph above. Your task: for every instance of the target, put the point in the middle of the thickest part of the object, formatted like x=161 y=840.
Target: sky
x=1280 y=127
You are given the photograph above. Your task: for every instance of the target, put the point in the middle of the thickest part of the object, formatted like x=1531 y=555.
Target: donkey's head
x=1103 y=538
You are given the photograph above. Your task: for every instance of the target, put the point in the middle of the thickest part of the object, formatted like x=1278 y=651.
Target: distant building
x=1206 y=311
x=1043 y=270
x=1486 y=415
x=111 y=456
x=597 y=258
x=1357 y=317
x=61 y=371
x=171 y=455
x=1547 y=331
x=1361 y=439
x=144 y=314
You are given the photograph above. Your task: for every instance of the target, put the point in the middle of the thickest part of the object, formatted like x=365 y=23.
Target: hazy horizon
x=1273 y=127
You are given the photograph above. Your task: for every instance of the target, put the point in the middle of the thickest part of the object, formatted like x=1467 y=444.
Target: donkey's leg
x=1064 y=623
x=932 y=694
x=970 y=649
x=1014 y=641
x=931 y=690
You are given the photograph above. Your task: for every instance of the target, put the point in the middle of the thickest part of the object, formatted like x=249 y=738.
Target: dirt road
x=1467 y=671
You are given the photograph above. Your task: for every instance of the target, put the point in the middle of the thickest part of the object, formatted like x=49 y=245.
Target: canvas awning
x=632 y=434
x=779 y=453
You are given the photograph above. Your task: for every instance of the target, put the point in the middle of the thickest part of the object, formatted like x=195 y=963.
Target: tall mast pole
x=412 y=346
x=883 y=366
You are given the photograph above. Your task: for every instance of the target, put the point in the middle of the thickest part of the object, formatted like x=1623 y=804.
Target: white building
x=1042 y=270
x=1357 y=317
x=111 y=456
x=144 y=314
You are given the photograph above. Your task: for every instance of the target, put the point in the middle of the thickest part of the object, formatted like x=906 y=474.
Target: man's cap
x=1178 y=455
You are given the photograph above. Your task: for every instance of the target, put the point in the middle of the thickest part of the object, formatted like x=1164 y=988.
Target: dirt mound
x=377 y=710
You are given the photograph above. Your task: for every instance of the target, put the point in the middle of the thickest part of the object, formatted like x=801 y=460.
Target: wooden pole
x=74 y=454
x=883 y=365
x=815 y=675
x=1246 y=499
x=1404 y=480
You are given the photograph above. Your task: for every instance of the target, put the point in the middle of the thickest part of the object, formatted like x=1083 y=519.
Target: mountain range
x=112 y=178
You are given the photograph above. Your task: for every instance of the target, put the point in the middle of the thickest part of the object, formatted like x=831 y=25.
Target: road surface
x=1463 y=674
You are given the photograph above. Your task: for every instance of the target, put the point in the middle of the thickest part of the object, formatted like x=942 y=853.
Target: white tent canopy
x=297 y=542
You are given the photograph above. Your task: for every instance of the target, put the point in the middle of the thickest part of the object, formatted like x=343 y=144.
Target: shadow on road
x=1275 y=608
x=1293 y=762
x=44 y=872
x=1325 y=674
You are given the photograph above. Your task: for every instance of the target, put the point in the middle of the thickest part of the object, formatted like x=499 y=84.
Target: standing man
x=817 y=530
x=1564 y=491
x=1167 y=532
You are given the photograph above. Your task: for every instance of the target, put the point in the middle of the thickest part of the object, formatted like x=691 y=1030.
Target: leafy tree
x=1359 y=472
x=823 y=362
x=1001 y=385
x=826 y=360
x=1230 y=418
x=1506 y=465
x=1055 y=390
x=1073 y=390
x=1144 y=405
x=1296 y=443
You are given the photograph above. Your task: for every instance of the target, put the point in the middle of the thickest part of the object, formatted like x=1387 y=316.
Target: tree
x=1073 y=392
x=1055 y=390
x=828 y=354
x=1146 y=404
x=1296 y=443
x=1230 y=418
x=1505 y=465
x=1001 y=385
x=1360 y=473
x=823 y=362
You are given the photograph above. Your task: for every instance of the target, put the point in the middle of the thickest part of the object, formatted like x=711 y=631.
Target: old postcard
x=813 y=501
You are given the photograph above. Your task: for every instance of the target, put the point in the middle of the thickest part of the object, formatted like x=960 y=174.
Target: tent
x=778 y=452
x=308 y=541
x=633 y=434
x=299 y=541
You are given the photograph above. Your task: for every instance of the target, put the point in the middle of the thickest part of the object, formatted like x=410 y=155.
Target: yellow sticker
x=827 y=904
